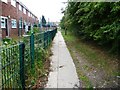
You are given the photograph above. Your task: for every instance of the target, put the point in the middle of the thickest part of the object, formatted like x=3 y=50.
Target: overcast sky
x=49 y=8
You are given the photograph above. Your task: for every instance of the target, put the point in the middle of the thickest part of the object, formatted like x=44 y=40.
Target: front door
x=6 y=25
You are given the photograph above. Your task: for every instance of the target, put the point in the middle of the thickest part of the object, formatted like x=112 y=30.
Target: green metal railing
x=17 y=59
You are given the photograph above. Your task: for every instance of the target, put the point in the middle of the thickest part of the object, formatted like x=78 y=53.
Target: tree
x=43 y=21
x=94 y=21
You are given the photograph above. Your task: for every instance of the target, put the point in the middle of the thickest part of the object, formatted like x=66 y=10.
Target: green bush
x=9 y=41
x=94 y=21
x=36 y=30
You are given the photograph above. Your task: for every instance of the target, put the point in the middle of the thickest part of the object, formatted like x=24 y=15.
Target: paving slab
x=63 y=72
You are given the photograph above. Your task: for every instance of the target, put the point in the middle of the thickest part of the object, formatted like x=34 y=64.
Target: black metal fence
x=17 y=59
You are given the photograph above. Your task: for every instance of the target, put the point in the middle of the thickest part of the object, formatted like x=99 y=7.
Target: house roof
x=25 y=7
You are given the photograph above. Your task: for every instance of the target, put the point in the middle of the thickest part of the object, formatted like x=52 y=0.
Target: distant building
x=15 y=18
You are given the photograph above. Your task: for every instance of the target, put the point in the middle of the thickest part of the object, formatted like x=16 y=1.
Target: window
x=20 y=7
x=4 y=1
x=29 y=14
x=24 y=10
x=13 y=2
x=33 y=17
x=14 y=24
x=24 y=25
x=20 y=24
x=3 y=23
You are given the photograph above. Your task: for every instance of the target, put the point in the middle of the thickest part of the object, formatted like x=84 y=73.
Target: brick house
x=15 y=18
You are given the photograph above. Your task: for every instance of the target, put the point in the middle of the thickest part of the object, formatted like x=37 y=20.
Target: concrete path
x=63 y=74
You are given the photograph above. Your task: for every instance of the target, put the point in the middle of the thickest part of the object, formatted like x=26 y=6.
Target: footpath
x=63 y=72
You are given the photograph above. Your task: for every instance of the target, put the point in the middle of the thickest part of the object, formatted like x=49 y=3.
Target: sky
x=51 y=9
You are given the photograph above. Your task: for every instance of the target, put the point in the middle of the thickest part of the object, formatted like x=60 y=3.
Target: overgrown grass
x=91 y=53
x=85 y=80
x=0 y=42
x=70 y=40
x=38 y=69
x=94 y=55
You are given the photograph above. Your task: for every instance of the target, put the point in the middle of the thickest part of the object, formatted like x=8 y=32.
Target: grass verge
x=97 y=57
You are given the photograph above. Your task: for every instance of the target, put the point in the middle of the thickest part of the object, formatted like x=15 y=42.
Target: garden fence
x=17 y=59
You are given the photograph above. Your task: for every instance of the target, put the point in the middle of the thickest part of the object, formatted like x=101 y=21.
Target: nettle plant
x=9 y=52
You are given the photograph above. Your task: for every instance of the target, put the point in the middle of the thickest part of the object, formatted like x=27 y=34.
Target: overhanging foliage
x=96 y=21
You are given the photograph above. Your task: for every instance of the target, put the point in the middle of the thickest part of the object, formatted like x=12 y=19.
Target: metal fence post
x=49 y=38
x=44 y=40
x=0 y=69
x=21 y=57
x=32 y=49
